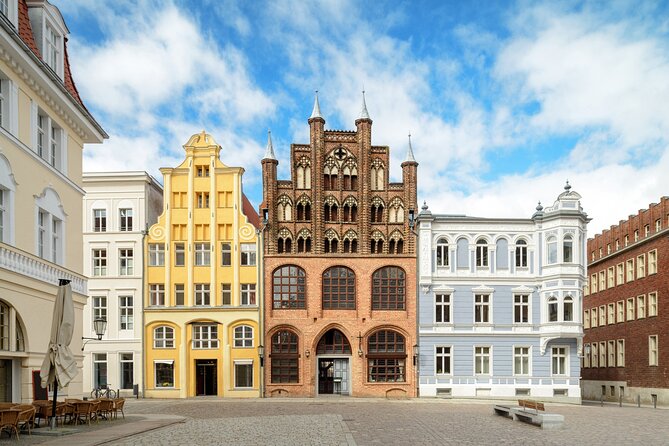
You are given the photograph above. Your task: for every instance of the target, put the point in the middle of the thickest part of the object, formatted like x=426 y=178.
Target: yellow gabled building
x=201 y=310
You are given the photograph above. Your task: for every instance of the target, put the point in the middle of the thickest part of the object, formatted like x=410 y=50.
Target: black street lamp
x=100 y=326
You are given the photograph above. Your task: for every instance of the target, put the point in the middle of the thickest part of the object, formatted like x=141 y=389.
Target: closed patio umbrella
x=59 y=366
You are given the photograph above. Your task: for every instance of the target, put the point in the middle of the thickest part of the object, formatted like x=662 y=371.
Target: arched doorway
x=333 y=356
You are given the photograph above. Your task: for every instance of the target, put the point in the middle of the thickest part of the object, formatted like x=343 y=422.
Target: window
x=331 y=210
x=126 y=262
x=521 y=254
x=243 y=374
x=442 y=308
x=652 y=304
x=126 y=312
x=202 y=199
x=156 y=254
x=611 y=278
x=552 y=250
x=602 y=280
x=284 y=208
x=620 y=361
x=593 y=283
x=376 y=215
x=226 y=294
x=99 y=307
x=304 y=211
x=99 y=220
x=593 y=317
x=179 y=254
x=157 y=294
x=608 y=248
x=521 y=308
x=627 y=240
x=338 y=288
x=125 y=218
x=586 y=357
x=559 y=360
x=164 y=373
x=248 y=293
x=617 y=244
x=163 y=337
x=594 y=355
x=52 y=48
x=49 y=140
x=288 y=287
x=552 y=309
x=521 y=360
x=602 y=315
x=611 y=354
x=202 y=294
x=568 y=309
x=226 y=254
x=482 y=304
x=586 y=318
x=396 y=211
x=482 y=360
x=646 y=230
x=602 y=354
x=386 y=357
x=248 y=251
x=205 y=336
x=179 y=294
x=481 y=253
x=641 y=266
x=620 y=274
x=612 y=313
x=377 y=176
x=244 y=336
x=303 y=174
x=284 y=361
x=630 y=309
x=202 y=254
x=636 y=235
x=658 y=225
x=4 y=215
x=652 y=262
x=99 y=262
x=388 y=289
x=567 y=249
x=442 y=360
x=100 y=369
x=127 y=370
x=202 y=171
x=641 y=307
x=630 y=270
x=652 y=350
x=442 y=252
x=621 y=311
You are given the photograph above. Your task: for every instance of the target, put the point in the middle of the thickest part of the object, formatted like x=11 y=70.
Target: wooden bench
x=532 y=416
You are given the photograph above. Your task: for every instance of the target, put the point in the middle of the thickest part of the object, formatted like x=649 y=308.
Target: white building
x=118 y=208
x=44 y=127
x=500 y=303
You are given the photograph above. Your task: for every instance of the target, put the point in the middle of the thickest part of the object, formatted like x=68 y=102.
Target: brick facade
x=619 y=251
x=361 y=180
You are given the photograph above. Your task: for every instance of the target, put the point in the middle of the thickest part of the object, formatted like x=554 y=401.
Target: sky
x=505 y=101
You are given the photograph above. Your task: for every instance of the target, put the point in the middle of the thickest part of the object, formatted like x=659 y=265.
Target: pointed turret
x=316 y=112
x=269 y=152
x=364 y=114
x=410 y=158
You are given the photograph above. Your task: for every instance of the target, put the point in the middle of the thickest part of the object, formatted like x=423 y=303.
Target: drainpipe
x=145 y=232
x=261 y=302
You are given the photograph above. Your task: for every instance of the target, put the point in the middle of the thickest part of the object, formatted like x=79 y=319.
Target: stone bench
x=521 y=413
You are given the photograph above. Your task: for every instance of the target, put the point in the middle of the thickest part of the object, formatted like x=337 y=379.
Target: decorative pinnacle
x=316 y=112
x=539 y=207
x=567 y=186
x=410 y=156
x=424 y=207
x=364 y=114
x=269 y=152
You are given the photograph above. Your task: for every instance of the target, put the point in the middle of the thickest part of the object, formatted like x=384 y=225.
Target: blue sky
x=504 y=100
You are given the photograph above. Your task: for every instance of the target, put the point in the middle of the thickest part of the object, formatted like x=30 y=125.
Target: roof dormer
x=9 y=9
x=50 y=32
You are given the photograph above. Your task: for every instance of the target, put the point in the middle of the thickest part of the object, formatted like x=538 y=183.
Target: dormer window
x=8 y=9
x=52 y=48
x=49 y=30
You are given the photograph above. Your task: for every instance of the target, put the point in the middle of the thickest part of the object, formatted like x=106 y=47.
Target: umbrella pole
x=53 y=407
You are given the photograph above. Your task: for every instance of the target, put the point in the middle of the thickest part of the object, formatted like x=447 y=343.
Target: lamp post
x=261 y=355
x=100 y=326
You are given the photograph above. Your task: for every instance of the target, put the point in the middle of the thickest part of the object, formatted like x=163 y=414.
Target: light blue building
x=500 y=301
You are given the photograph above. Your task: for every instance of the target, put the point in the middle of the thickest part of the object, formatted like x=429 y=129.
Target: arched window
x=5 y=322
x=377 y=175
x=338 y=288
x=396 y=211
x=481 y=253
x=330 y=173
x=330 y=210
x=304 y=241
x=521 y=254
x=567 y=249
x=389 y=289
x=350 y=242
x=396 y=243
x=502 y=254
x=386 y=357
x=303 y=209
x=376 y=210
x=376 y=243
x=551 y=243
x=333 y=342
x=163 y=337
x=350 y=172
x=243 y=336
x=303 y=173
x=284 y=242
x=331 y=242
x=284 y=357
x=552 y=309
x=568 y=309
x=442 y=252
x=284 y=208
x=288 y=287
x=350 y=210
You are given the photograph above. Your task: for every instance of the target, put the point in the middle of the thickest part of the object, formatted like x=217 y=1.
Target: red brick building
x=340 y=267
x=626 y=310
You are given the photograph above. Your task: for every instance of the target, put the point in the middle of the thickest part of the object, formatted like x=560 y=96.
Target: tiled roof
x=69 y=81
x=251 y=214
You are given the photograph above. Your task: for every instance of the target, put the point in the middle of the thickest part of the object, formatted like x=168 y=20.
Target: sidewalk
x=112 y=433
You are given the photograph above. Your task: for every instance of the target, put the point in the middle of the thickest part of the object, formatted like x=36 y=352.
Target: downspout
x=145 y=232
x=261 y=301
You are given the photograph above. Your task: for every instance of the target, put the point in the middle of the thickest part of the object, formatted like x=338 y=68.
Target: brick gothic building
x=340 y=267
x=626 y=321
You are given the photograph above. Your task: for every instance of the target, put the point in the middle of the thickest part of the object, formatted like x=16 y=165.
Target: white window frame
x=479 y=356
x=202 y=295
x=521 y=254
x=631 y=309
x=620 y=353
x=126 y=312
x=602 y=354
x=226 y=292
x=125 y=219
x=482 y=253
x=99 y=360
x=243 y=363
x=99 y=308
x=611 y=353
x=586 y=357
x=202 y=254
x=594 y=355
x=99 y=262
x=641 y=266
x=602 y=315
x=629 y=270
x=126 y=262
x=526 y=356
x=519 y=303
x=441 y=352
x=620 y=310
x=157 y=294
x=652 y=304
x=179 y=254
x=226 y=254
x=100 y=220
x=586 y=318
x=560 y=352
x=248 y=254
x=50 y=141
x=611 y=313
x=483 y=301
x=243 y=336
x=641 y=306
x=593 y=317
x=156 y=254
x=610 y=277
x=163 y=337
x=620 y=274
x=122 y=361
x=169 y=362
x=441 y=253
x=205 y=336
x=652 y=262
x=443 y=307
x=247 y=294
x=653 y=350
x=551 y=250
x=179 y=291
x=602 y=280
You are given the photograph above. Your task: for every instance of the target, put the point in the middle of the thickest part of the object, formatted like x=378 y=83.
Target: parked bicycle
x=103 y=392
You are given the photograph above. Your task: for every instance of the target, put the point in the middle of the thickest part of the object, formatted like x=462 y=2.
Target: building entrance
x=205 y=377
x=333 y=373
